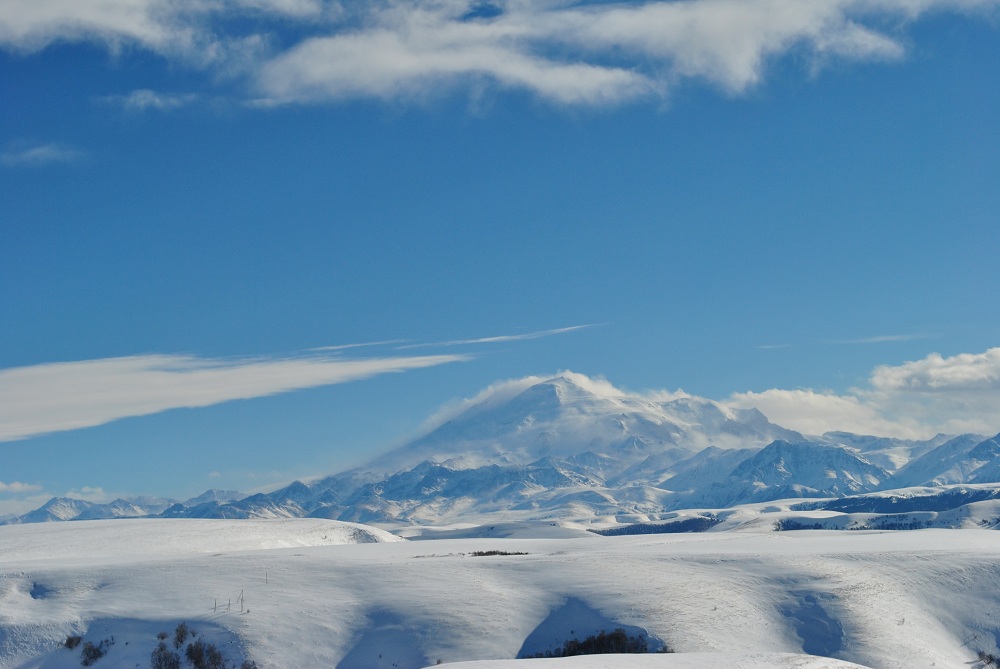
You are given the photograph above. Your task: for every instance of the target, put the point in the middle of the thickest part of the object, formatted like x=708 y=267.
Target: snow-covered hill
x=882 y=600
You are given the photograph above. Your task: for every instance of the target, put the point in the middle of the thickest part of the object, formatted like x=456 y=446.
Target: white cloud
x=499 y=339
x=410 y=54
x=16 y=487
x=495 y=393
x=975 y=372
x=145 y=99
x=95 y=494
x=816 y=412
x=171 y=28
x=33 y=24
x=39 y=155
x=595 y=53
x=883 y=339
x=344 y=347
x=70 y=395
x=916 y=399
x=17 y=506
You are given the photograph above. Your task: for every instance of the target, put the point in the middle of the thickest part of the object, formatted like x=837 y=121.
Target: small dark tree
x=91 y=654
x=617 y=641
x=196 y=654
x=180 y=635
x=213 y=658
x=203 y=655
x=164 y=658
x=72 y=641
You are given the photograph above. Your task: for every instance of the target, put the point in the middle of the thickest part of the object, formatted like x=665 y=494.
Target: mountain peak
x=561 y=390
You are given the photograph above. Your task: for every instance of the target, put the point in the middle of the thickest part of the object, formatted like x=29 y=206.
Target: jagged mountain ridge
x=786 y=470
x=571 y=447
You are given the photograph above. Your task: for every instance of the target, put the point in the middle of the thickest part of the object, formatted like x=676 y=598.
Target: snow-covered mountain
x=572 y=416
x=575 y=447
x=66 y=508
x=784 y=470
x=954 y=461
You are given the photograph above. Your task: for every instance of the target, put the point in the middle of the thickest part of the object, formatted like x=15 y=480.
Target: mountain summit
x=571 y=415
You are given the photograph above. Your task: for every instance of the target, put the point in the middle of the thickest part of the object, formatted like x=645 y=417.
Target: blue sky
x=777 y=203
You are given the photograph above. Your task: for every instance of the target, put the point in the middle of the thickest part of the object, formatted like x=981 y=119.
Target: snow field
x=904 y=599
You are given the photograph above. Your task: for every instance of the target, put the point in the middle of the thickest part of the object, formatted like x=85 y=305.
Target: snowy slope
x=887 y=452
x=155 y=537
x=954 y=461
x=784 y=469
x=883 y=600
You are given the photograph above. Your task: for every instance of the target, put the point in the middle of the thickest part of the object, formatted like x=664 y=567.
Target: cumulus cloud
x=917 y=399
x=16 y=487
x=975 y=372
x=70 y=395
x=593 y=53
x=39 y=155
x=816 y=412
x=95 y=494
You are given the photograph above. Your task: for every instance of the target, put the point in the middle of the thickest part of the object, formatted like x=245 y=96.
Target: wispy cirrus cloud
x=884 y=339
x=916 y=399
x=592 y=54
x=39 y=155
x=499 y=339
x=54 y=397
x=145 y=99
x=367 y=344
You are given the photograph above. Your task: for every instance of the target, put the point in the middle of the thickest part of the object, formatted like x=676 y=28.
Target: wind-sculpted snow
x=739 y=599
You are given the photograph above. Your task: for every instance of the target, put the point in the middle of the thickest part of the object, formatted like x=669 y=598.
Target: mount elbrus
x=573 y=448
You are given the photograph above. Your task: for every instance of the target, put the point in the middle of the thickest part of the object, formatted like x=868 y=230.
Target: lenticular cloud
x=71 y=395
x=584 y=54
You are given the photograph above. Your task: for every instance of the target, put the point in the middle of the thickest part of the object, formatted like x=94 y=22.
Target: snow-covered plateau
x=300 y=593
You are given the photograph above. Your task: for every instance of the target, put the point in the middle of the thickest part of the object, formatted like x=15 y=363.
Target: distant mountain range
x=570 y=448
